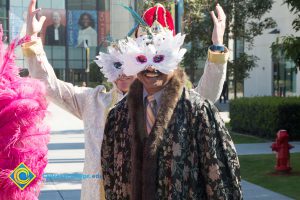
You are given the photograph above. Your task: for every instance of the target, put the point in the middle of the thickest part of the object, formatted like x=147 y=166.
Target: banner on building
x=54 y=28
x=103 y=27
x=82 y=28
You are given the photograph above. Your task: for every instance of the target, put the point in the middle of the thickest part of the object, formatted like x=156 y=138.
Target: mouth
x=151 y=74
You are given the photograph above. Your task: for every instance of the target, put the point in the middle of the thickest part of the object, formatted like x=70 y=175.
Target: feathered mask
x=110 y=63
x=162 y=51
x=156 y=44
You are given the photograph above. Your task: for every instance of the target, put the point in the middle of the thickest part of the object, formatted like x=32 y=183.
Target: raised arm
x=63 y=94
x=211 y=83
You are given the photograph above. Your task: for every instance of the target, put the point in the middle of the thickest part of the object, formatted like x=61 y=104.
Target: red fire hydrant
x=282 y=147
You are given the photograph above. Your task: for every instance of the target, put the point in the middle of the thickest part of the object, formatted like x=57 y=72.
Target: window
x=284 y=77
x=77 y=57
x=82 y=4
x=4 y=16
x=17 y=18
x=54 y=4
x=57 y=58
x=19 y=3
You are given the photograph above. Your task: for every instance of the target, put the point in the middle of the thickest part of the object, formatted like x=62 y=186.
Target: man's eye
x=141 y=59
x=158 y=58
x=117 y=65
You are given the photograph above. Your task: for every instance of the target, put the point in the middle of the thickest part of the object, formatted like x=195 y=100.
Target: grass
x=244 y=139
x=259 y=169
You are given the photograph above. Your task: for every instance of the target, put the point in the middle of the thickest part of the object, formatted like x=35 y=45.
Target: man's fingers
x=213 y=16
x=220 y=11
x=31 y=6
x=42 y=20
x=36 y=11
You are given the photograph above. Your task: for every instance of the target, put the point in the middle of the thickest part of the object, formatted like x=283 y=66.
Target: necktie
x=150 y=113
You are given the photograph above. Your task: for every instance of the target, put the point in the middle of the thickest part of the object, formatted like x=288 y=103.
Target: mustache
x=151 y=72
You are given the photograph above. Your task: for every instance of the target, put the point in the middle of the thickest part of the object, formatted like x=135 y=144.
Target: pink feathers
x=23 y=134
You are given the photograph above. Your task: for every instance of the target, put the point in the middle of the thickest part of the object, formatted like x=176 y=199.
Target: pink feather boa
x=23 y=133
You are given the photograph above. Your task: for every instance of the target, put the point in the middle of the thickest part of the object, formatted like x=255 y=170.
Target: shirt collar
x=157 y=96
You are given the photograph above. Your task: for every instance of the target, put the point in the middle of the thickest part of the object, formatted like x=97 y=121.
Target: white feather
x=106 y=62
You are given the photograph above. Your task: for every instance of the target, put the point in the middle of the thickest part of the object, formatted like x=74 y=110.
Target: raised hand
x=219 y=25
x=34 y=26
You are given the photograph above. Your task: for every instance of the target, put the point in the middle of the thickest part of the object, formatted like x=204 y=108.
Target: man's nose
x=150 y=68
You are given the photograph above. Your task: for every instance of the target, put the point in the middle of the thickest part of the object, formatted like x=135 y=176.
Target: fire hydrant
x=282 y=147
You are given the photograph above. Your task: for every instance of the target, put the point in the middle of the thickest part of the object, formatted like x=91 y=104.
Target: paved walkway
x=261 y=148
x=255 y=192
x=66 y=155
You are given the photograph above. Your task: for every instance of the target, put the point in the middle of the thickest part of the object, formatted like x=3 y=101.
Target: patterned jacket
x=188 y=154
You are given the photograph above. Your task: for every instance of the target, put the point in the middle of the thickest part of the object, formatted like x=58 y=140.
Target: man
x=92 y=104
x=224 y=93
x=55 y=33
x=163 y=141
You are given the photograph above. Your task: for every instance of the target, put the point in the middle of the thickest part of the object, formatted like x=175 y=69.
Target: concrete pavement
x=255 y=192
x=66 y=156
x=262 y=148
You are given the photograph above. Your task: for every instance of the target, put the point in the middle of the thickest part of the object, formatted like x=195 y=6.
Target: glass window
x=2 y=2
x=59 y=52
x=57 y=4
x=59 y=64
x=3 y=12
x=82 y=4
x=75 y=53
x=45 y=4
x=76 y=64
x=284 y=76
x=17 y=18
x=56 y=57
x=4 y=16
x=19 y=3
x=48 y=50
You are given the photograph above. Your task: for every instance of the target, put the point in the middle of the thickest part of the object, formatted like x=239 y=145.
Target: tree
x=240 y=73
x=244 y=22
x=96 y=77
x=294 y=8
x=289 y=46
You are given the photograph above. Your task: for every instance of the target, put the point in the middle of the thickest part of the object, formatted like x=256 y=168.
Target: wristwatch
x=220 y=48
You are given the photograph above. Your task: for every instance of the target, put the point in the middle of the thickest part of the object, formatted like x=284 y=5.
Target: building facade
x=70 y=27
x=273 y=77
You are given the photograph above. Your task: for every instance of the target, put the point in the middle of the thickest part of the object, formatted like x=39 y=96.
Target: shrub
x=264 y=116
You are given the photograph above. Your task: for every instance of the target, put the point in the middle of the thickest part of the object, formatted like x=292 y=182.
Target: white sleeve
x=211 y=83
x=65 y=95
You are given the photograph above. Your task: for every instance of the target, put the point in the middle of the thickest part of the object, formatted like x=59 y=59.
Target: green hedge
x=264 y=116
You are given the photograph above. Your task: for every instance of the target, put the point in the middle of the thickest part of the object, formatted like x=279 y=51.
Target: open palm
x=34 y=26
x=219 y=25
